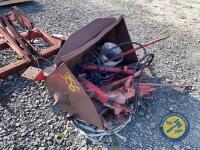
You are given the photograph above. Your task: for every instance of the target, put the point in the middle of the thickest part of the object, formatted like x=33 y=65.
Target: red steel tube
x=165 y=85
x=137 y=48
x=123 y=70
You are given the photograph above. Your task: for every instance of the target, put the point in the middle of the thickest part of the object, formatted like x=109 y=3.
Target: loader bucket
x=63 y=84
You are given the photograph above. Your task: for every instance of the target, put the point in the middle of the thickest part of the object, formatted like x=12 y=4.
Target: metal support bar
x=13 y=67
x=21 y=42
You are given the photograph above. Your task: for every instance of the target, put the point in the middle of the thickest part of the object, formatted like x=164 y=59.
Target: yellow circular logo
x=174 y=126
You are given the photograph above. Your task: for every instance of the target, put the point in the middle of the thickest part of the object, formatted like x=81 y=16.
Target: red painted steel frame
x=20 y=42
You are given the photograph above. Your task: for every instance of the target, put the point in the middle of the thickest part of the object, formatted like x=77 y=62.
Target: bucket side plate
x=62 y=80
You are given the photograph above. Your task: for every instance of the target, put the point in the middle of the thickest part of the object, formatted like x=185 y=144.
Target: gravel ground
x=30 y=122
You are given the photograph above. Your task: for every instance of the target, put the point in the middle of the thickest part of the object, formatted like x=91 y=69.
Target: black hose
x=148 y=58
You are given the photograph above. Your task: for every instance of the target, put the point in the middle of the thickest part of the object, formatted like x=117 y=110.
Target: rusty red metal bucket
x=63 y=84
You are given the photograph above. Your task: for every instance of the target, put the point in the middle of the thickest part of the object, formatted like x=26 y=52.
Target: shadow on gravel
x=144 y=130
x=58 y=111
x=28 y=7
